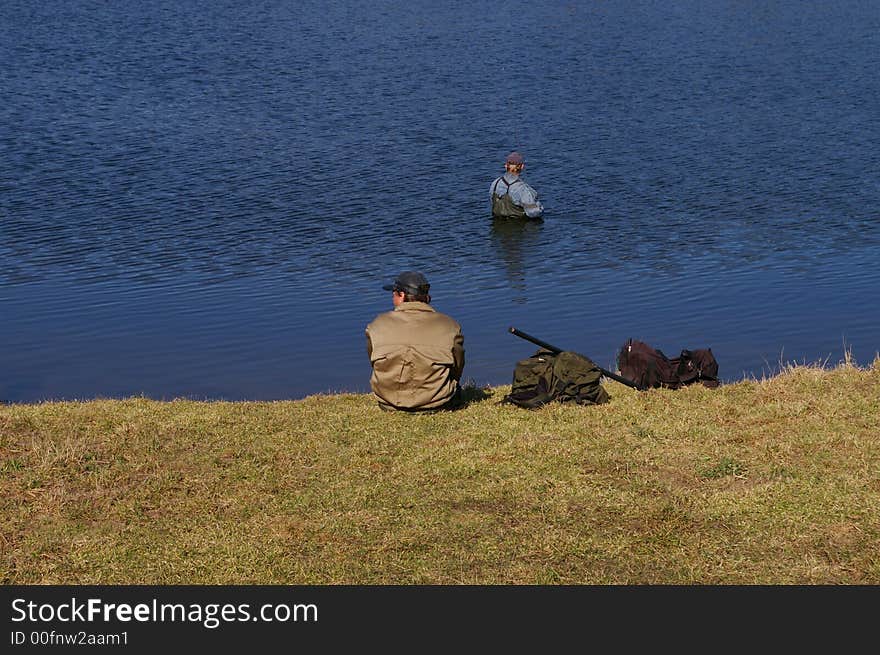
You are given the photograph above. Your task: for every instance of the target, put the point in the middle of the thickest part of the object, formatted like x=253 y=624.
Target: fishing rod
x=556 y=351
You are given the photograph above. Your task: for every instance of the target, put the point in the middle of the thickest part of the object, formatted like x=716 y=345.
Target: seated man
x=417 y=353
x=511 y=196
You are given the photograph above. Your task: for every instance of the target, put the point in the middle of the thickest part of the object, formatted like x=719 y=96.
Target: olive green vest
x=503 y=206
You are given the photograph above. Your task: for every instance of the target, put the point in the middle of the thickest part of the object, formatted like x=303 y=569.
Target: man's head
x=409 y=286
x=514 y=162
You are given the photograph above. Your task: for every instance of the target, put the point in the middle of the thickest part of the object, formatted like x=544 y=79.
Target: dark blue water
x=203 y=199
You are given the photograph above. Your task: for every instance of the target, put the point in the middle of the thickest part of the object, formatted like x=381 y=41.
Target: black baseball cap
x=411 y=282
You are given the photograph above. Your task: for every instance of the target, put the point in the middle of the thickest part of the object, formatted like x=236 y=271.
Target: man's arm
x=458 y=356
x=534 y=210
x=527 y=198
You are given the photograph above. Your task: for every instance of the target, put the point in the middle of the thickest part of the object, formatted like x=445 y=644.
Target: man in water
x=511 y=196
x=417 y=353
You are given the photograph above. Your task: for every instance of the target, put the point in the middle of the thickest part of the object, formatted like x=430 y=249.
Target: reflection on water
x=514 y=240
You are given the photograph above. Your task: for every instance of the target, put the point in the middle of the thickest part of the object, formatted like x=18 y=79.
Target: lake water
x=204 y=199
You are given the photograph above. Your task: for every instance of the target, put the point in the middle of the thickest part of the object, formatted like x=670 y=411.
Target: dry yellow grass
x=772 y=481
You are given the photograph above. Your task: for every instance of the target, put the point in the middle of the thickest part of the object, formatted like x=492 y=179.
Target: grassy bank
x=767 y=481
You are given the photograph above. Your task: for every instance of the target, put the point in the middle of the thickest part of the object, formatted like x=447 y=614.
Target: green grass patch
x=725 y=467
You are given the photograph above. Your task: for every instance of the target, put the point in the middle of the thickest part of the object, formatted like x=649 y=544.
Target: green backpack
x=564 y=377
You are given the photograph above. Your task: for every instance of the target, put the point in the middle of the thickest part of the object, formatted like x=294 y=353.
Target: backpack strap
x=506 y=183
x=534 y=399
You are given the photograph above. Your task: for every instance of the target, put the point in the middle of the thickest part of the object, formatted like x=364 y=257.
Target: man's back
x=417 y=355
x=510 y=195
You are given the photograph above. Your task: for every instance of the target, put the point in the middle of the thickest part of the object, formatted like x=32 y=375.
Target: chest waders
x=503 y=206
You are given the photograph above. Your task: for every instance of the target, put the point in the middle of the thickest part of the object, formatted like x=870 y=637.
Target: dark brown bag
x=696 y=366
x=650 y=368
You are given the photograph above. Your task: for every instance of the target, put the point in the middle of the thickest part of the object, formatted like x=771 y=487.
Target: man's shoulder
x=389 y=323
x=526 y=189
x=384 y=317
x=446 y=318
x=426 y=312
x=402 y=311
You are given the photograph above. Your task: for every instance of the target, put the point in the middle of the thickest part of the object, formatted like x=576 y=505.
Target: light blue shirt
x=520 y=193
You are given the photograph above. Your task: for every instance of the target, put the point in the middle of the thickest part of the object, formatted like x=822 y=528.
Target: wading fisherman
x=417 y=353
x=511 y=196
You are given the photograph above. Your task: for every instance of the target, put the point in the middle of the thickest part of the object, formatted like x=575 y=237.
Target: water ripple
x=207 y=203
